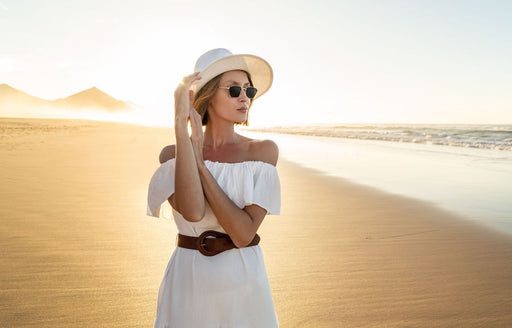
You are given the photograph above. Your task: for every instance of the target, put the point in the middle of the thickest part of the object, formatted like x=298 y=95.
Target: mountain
x=14 y=102
x=92 y=98
x=9 y=95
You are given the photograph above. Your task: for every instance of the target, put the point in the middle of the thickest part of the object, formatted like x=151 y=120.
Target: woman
x=220 y=186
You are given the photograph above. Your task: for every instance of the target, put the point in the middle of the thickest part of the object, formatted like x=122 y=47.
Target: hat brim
x=260 y=71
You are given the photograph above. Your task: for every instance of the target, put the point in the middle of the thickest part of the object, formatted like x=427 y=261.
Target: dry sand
x=78 y=251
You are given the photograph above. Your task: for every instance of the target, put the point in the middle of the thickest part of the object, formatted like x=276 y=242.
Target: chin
x=240 y=122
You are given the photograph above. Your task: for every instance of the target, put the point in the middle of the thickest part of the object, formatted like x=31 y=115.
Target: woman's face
x=224 y=107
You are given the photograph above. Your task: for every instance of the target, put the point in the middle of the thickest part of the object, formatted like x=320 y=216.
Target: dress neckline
x=234 y=163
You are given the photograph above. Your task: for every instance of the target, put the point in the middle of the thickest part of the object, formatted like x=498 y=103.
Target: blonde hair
x=202 y=98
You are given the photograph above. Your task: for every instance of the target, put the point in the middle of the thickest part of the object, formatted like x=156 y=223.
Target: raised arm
x=240 y=224
x=188 y=198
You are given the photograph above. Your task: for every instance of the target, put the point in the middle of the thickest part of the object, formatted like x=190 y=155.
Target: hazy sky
x=334 y=61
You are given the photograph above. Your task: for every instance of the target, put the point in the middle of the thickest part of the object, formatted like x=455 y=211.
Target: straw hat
x=220 y=60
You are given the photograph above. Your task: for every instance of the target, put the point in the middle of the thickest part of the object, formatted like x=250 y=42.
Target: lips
x=242 y=109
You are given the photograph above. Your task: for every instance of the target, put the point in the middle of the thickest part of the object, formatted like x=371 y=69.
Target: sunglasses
x=234 y=91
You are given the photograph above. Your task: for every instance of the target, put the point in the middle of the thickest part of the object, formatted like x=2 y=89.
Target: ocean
x=498 y=137
x=466 y=169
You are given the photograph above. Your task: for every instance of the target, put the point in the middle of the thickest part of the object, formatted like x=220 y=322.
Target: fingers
x=189 y=79
x=195 y=119
x=182 y=103
x=185 y=85
x=196 y=123
x=197 y=134
x=190 y=96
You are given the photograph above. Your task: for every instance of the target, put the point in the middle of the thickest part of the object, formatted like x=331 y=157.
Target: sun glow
x=364 y=62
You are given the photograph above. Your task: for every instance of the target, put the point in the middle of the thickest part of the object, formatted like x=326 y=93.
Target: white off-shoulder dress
x=230 y=289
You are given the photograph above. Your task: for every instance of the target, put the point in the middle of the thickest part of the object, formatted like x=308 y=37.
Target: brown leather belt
x=209 y=246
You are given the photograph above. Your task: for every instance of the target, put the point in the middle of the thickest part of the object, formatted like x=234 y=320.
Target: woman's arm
x=240 y=224
x=188 y=198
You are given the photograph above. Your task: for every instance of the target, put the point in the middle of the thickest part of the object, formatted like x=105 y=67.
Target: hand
x=182 y=99
x=197 y=136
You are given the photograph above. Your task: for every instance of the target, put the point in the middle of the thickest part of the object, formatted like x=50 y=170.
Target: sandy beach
x=77 y=249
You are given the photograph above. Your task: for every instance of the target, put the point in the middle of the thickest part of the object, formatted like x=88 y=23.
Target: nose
x=243 y=96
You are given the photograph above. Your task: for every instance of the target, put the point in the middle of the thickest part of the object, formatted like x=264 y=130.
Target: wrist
x=180 y=119
x=181 y=125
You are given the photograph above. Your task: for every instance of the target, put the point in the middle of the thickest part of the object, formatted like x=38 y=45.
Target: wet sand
x=77 y=249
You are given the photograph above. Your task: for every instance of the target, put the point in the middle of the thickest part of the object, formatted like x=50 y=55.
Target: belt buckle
x=201 y=242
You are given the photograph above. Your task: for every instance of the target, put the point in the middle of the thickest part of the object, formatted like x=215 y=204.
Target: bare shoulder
x=265 y=151
x=167 y=153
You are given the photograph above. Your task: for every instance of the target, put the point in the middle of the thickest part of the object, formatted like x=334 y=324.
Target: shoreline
x=469 y=136
x=386 y=260
x=79 y=250
x=467 y=182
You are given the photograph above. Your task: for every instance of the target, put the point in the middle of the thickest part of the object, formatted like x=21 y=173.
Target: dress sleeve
x=266 y=191
x=161 y=187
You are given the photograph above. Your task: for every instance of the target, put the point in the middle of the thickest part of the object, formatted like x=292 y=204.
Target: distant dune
x=10 y=96
x=14 y=102
x=92 y=98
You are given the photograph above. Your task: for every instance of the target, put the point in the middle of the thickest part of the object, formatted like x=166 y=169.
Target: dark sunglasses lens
x=251 y=92
x=235 y=91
